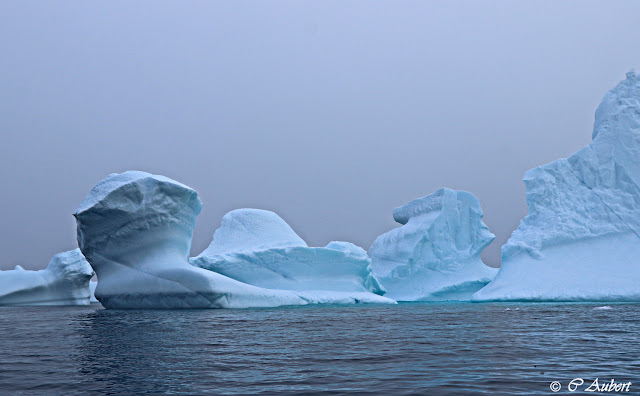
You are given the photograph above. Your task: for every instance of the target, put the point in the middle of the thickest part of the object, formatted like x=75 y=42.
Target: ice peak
x=619 y=111
x=134 y=201
x=250 y=230
x=144 y=182
x=583 y=218
x=434 y=202
x=71 y=264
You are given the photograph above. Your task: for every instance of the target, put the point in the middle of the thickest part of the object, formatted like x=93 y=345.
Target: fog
x=330 y=113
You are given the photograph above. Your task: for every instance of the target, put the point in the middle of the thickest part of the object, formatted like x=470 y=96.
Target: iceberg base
x=601 y=269
x=439 y=285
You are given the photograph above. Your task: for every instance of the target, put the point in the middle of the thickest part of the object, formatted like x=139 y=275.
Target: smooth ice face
x=65 y=281
x=92 y=288
x=129 y=217
x=581 y=237
x=279 y=259
x=251 y=230
x=435 y=255
x=135 y=230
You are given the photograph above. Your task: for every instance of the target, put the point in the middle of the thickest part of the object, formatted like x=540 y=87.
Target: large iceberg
x=259 y=248
x=65 y=281
x=581 y=237
x=135 y=229
x=435 y=255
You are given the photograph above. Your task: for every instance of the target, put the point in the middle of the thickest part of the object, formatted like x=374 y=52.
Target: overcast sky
x=330 y=113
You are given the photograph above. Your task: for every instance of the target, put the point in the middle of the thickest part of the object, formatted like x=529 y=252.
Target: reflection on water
x=439 y=348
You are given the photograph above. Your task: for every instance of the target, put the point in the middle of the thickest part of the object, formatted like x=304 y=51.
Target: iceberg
x=435 y=254
x=259 y=248
x=581 y=237
x=135 y=229
x=65 y=281
x=92 y=288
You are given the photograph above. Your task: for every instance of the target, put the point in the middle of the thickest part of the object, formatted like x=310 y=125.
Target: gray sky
x=330 y=113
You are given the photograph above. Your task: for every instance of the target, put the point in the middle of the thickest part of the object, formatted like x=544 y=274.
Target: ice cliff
x=65 y=281
x=581 y=237
x=435 y=255
x=135 y=230
x=259 y=248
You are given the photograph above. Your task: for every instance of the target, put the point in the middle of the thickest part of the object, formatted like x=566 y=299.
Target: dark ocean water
x=408 y=348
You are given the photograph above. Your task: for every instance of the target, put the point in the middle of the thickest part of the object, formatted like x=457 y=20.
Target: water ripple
x=409 y=348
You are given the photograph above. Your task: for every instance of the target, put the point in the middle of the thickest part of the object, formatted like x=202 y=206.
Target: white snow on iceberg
x=251 y=230
x=435 y=255
x=65 y=281
x=135 y=229
x=581 y=237
x=259 y=248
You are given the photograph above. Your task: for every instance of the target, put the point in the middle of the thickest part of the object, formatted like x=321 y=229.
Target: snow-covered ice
x=135 y=230
x=259 y=248
x=581 y=237
x=252 y=230
x=435 y=255
x=65 y=281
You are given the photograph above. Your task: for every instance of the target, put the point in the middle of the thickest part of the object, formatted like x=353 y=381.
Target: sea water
x=444 y=348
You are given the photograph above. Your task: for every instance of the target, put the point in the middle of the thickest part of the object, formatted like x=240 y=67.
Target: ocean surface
x=446 y=348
